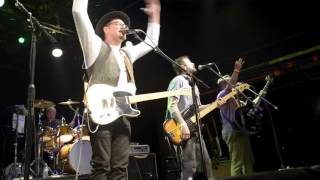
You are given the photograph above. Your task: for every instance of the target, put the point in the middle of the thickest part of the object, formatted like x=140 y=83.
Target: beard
x=192 y=70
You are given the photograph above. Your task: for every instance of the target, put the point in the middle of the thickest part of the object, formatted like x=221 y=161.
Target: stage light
x=1 y=3
x=21 y=40
x=57 y=52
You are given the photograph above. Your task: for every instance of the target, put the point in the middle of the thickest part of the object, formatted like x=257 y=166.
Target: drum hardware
x=75 y=157
x=38 y=163
x=15 y=169
x=70 y=147
x=76 y=116
x=48 y=133
x=43 y=104
x=81 y=132
x=69 y=102
x=64 y=132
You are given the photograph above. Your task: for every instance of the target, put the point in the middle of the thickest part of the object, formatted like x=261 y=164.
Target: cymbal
x=69 y=102
x=41 y=103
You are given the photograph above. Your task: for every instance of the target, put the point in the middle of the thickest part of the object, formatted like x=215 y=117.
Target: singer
x=233 y=131
x=109 y=65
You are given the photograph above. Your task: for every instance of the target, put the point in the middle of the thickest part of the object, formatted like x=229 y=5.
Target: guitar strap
x=130 y=75
x=129 y=68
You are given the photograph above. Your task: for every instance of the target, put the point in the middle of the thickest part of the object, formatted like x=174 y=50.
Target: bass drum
x=74 y=154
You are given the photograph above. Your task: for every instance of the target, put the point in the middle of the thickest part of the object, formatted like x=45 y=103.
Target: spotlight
x=57 y=52
x=1 y=3
x=21 y=39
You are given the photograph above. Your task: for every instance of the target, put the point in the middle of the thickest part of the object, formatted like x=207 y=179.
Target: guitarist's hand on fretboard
x=220 y=102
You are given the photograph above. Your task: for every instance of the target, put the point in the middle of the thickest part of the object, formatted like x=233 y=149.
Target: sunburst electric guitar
x=172 y=128
x=106 y=104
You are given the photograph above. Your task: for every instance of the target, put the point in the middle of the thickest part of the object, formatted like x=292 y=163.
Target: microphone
x=201 y=67
x=131 y=31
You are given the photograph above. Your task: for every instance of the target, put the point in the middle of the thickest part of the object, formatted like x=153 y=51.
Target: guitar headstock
x=241 y=87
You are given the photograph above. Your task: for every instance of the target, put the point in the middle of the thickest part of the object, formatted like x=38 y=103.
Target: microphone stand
x=202 y=175
x=30 y=123
x=161 y=53
x=264 y=99
x=198 y=175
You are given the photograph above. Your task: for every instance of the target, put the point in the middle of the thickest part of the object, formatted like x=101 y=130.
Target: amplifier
x=143 y=167
x=139 y=149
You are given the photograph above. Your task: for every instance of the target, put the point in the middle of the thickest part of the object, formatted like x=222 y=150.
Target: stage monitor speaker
x=143 y=167
x=312 y=173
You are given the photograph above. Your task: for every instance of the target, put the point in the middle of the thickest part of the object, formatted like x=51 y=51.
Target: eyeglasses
x=118 y=24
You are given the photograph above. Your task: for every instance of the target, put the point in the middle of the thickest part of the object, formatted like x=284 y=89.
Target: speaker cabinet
x=143 y=167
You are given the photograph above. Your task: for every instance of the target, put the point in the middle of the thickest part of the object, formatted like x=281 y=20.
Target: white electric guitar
x=106 y=104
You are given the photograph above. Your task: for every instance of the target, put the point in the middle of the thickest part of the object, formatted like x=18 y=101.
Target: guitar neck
x=212 y=106
x=205 y=111
x=158 y=95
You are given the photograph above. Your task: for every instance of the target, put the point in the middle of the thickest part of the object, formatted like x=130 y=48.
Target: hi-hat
x=69 y=102
x=43 y=104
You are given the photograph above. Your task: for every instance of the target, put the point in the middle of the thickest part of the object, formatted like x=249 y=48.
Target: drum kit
x=67 y=150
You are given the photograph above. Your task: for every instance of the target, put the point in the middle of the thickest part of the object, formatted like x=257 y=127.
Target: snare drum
x=76 y=156
x=51 y=145
x=48 y=134
x=64 y=134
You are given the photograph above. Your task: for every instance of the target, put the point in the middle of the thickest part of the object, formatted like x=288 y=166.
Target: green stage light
x=21 y=40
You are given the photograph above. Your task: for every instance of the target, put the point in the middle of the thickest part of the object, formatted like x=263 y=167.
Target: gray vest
x=105 y=69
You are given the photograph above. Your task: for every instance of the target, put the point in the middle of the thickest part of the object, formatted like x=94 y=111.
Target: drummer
x=51 y=120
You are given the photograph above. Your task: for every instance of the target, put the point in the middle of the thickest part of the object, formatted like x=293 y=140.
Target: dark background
x=220 y=31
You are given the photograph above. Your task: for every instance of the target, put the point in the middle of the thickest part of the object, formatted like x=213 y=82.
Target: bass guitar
x=172 y=128
x=106 y=104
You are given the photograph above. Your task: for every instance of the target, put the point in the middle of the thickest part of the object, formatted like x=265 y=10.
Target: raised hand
x=152 y=9
x=238 y=64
